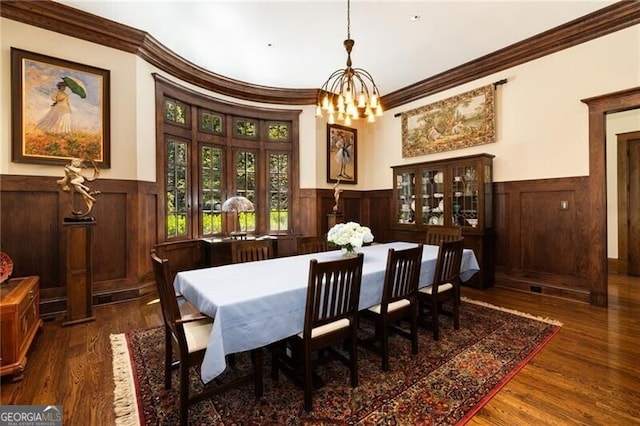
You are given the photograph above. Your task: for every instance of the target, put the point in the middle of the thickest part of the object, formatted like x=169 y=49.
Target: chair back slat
x=402 y=275
x=315 y=244
x=182 y=255
x=333 y=291
x=448 y=262
x=251 y=250
x=436 y=234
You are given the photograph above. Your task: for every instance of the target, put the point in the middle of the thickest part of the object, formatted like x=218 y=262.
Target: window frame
x=230 y=143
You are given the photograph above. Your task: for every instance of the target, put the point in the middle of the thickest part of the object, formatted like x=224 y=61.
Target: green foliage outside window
x=278 y=131
x=210 y=122
x=245 y=127
x=175 y=111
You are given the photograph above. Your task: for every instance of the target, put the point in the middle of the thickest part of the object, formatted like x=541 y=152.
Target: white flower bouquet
x=349 y=236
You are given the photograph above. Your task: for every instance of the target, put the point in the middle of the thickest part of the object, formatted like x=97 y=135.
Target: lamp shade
x=237 y=204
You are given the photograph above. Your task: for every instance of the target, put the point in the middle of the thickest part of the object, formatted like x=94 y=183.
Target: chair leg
x=168 y=358
x=353 y=358
x=456 y=315
x=184 y=394
x=435 y=312
x=308 y=385
x=384 y=342
x=414 y=328
x=275 y=361
x=256 y=356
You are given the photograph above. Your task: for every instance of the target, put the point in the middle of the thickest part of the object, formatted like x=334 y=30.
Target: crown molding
x=82 y=25
x=610 y=19
x=75 y=23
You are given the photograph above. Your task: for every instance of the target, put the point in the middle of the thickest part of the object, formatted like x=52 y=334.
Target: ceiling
x=297 y=44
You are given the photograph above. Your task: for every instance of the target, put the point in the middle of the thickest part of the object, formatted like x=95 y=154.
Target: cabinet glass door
x=406 y=198
x=464 y=189
x=432 y=192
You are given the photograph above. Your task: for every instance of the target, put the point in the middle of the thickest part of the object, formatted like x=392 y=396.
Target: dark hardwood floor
x=587 y=375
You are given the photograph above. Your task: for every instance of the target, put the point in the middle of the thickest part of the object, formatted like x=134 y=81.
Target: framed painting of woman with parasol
x=60 y=110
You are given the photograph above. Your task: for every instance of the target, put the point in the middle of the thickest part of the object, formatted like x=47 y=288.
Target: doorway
x=629 y=203
x=597 y=255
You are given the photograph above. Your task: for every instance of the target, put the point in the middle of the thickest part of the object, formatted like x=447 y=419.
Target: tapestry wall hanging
x=464 y=120
x=60 y=110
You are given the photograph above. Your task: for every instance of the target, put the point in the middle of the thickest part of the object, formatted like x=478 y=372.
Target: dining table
x=255 y=304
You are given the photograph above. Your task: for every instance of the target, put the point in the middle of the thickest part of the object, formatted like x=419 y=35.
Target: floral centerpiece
x=348 y=236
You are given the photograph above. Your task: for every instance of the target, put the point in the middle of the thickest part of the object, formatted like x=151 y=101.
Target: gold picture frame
x=60 y=110
x=342 y=154
x=464 y=120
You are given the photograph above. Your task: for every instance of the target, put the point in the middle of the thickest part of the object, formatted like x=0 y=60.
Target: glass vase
x=349 y=251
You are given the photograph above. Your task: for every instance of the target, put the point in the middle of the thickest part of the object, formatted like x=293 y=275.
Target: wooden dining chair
x=187 y=336
x=435 y=234
x=182 y=255
x=399 y=301
x=251 y=250
x=313 y=244
x=331 y=317
x=445 y=286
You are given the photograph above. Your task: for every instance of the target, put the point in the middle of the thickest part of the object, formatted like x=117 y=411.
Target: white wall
x=541 y=124
x=132 y=105
x=123 y=95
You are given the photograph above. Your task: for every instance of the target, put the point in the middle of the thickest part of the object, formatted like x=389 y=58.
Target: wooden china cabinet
x=456 y=192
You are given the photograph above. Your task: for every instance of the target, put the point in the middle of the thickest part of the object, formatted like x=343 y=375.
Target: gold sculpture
x=336 y=196
x=73 y=183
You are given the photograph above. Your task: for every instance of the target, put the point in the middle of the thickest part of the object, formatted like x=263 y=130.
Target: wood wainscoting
x=33 y=209
x=32 y=212
x=542 y=236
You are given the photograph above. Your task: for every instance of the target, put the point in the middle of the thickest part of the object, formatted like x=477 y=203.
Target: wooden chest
x=19 y=322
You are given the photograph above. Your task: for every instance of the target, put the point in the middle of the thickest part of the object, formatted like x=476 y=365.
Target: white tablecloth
x=257 y=303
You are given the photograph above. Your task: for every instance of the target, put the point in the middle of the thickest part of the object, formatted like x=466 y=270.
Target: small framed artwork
x=342 y=154
x=60 y=110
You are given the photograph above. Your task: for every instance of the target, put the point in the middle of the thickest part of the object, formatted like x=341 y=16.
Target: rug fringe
x=125 y=403
x=513 y=311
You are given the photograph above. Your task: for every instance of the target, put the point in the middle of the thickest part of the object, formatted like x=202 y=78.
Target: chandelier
x=349 y=92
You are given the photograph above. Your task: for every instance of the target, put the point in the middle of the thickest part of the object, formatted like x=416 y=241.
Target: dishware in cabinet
x=456 y=192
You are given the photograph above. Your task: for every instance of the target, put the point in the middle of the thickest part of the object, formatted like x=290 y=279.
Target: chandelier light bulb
x=362 y=100
x=374 y=101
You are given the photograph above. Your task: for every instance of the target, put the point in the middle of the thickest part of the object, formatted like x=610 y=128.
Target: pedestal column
x=333 y=218
x=78 y=271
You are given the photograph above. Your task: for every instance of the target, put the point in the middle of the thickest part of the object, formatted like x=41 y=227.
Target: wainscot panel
x=541 y=235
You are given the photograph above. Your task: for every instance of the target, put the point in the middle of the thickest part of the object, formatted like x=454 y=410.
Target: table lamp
x=237 y=204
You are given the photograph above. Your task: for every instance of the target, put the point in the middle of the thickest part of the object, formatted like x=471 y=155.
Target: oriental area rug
x=446 y=383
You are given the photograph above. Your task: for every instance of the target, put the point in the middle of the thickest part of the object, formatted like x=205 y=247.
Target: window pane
x=246 y=128
x=210 y=122
x=246 y=187
x=278 y=131
x=278 y=192
x=175 y=111
x=176 y=188
x=210 y=195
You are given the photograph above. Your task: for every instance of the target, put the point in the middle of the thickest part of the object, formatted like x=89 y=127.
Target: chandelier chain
x=348 y=19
